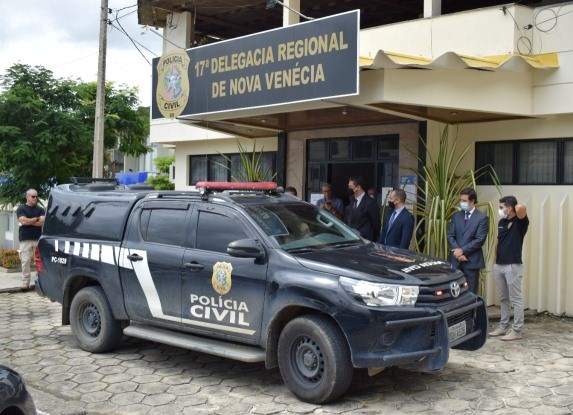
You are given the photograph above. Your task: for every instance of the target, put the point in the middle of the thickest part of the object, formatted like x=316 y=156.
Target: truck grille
x=440 y=292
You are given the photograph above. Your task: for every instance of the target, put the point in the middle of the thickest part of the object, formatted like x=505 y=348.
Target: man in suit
x=399 y=226
x=363 y=213
x=467 y=233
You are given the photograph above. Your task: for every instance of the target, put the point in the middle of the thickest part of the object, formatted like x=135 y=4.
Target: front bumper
x=416 y=337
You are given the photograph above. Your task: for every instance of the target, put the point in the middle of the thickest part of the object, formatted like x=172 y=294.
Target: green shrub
x=160 y=182
x=163 y=164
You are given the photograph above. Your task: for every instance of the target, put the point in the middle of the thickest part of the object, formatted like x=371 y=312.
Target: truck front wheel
x=92 y=321
x=314 y=360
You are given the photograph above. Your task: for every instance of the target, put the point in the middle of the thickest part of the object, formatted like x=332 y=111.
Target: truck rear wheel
x=92 y=321
x=314 y=360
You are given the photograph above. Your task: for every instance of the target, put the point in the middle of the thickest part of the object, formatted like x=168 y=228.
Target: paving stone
x=158 y=399
x=152 y=388
x=122 y=387
x=99 y=396
x=127 y=398
x=531 y=376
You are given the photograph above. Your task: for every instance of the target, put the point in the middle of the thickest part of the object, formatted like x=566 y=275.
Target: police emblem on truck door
x=221 y=278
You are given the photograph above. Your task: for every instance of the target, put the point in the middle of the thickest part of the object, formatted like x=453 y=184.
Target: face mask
x=465 y=206
x=502 y=213
x=391 y=205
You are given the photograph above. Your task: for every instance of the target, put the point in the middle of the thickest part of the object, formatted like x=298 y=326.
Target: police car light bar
x=237 y=185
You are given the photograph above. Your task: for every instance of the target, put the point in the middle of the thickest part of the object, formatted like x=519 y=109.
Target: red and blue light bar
x=263 y=186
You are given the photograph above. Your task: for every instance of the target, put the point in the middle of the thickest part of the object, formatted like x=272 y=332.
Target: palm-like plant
x=253 y=168
x=439 y=191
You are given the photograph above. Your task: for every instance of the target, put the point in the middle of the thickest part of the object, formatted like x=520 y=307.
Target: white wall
x=549 y=243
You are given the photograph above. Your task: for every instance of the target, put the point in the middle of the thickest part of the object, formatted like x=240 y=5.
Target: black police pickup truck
x=245 y=272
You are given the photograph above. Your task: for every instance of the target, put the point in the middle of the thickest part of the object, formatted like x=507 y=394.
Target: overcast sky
x=62 y=35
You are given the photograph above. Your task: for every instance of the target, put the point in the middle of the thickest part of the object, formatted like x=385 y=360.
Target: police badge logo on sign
x=172 y=84
x=221 y=279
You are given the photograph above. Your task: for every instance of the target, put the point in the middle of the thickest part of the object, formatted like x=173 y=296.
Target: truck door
x=222 y=295
x=151 y=260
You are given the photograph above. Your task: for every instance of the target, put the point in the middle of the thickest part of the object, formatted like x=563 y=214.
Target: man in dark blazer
x=362 y=213
x=467 y=233
x=399 y=225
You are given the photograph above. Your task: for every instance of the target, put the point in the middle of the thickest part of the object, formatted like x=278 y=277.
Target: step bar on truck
x=235 y=351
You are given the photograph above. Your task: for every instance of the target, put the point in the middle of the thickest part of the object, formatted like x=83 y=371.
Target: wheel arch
x=72 y=286
x=280 y=320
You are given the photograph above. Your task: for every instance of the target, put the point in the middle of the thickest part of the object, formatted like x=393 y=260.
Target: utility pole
x=97 y=168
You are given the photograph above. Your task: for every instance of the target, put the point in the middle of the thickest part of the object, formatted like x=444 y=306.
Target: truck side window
x=165 y=226
x=215 y=231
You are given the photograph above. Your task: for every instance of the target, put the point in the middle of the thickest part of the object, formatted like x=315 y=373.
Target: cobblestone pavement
x=533 y=376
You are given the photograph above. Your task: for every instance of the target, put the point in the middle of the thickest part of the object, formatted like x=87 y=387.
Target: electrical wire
x=522 y=40
x=136 y=41
x=122 y=30
x=124 y=8
x=125 y=14
x=164 y=38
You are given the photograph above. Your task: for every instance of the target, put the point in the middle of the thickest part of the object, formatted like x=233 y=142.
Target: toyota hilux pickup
x=244 y=271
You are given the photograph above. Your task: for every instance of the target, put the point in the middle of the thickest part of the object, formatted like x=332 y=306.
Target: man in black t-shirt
x=31 y=218
x=508 y=268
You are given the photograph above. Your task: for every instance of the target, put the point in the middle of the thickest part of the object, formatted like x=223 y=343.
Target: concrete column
x=179 y=30
x=290 y=17
x=432 y=8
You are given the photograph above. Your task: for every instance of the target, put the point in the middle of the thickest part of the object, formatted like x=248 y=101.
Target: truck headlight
x=378 y=295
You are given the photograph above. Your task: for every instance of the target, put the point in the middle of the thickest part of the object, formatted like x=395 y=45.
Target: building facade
x=501 y=75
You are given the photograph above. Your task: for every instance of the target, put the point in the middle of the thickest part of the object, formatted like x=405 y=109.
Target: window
x=198 y=169
x=163 y=226
x=218 y=169
x=538 y=162
x=216 y=231
x=568 y=162
x=223 y=168
x=498 y=156
x=317 y=150
x=362 y=149
x=340 y=150
x=529 y=162
x=388 y=146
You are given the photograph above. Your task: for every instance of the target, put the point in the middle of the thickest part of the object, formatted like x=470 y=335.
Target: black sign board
x=317 y=59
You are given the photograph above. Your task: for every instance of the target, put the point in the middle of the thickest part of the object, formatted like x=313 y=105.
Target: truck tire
x=92 y=321
x=314 y=360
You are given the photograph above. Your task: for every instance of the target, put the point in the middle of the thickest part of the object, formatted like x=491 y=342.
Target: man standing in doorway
x=31 y=218
x=399 y=227
x=362 y=214
x=508 y=268
x=329 y=202
x=467 y=233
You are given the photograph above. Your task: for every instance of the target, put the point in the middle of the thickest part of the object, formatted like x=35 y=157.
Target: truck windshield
x=301 y=226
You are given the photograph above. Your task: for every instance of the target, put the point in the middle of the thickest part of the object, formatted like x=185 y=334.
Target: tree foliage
x=46 y=128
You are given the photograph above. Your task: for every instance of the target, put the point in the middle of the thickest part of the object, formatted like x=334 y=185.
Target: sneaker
x=512 y=335
x=499 y=331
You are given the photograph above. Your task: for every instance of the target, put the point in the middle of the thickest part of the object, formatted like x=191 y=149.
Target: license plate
x=457 y=331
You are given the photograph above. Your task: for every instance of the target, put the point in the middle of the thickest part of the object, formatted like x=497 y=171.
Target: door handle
x=194 y=266
x=134 y=257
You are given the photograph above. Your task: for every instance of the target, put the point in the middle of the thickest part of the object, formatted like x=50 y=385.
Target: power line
x=122 y=30
x=136 y=41
x=126 y=7
x=124 y=15
x=164 y=38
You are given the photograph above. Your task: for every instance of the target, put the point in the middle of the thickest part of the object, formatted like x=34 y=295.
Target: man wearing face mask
x=362 y=213
x=467 y=233
x=398 y=228
x=508 y=268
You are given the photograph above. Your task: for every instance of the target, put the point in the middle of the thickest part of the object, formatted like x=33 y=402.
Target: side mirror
x=246 y=248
